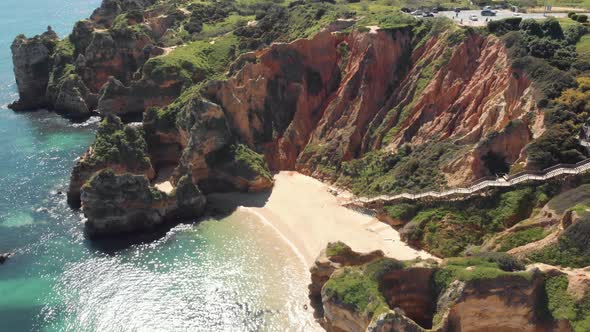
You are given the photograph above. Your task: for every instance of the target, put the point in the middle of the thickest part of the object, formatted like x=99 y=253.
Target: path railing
x=487 y=182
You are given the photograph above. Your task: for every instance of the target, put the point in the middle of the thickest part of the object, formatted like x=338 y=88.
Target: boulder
x=4 y=257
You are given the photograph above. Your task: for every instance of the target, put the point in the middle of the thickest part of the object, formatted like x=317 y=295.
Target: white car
x=517 y=14
x=473 y=17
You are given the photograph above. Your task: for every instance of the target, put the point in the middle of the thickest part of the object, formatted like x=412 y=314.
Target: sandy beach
x=307 y=216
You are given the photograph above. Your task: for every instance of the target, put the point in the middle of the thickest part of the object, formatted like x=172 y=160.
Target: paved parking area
x=463 y=17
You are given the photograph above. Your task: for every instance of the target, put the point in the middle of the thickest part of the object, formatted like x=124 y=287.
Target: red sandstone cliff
x=332 y=98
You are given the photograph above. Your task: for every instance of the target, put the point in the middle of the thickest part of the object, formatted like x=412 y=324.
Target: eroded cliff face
x=312 y=104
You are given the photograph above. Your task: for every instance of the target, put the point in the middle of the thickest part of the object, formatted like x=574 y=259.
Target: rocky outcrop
x=119 y=147
x=335 y=256
x=200 y=142
x=97 y=66
x=123 y=203
x=32 y=61
x=422 y=296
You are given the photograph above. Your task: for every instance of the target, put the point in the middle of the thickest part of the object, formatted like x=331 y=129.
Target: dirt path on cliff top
x=306 y=215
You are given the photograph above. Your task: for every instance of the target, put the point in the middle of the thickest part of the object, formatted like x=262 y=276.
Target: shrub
x=337 y=248
x=552 y=28
x=576 y=238
x=574 y=33
x=582 y=18
x=501 y=27
x=556 y=145
x=402 y=211
x=570 y=14
x=572 y=249
x=543 y=47
x=560 y=303
x=548 y=79
x=574 y=17
x=505 y=262
x=531 y=27
x=117 y=143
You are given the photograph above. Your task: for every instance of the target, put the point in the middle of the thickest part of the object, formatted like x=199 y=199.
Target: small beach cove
x=308 y=217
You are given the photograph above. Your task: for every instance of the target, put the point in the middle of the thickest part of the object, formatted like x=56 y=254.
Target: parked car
x=516 y=14
x=488 y=12
x=473 y=17
x=428 y=15
x=417 y=13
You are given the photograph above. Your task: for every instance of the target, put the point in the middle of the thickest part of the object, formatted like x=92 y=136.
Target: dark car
x=488 y=12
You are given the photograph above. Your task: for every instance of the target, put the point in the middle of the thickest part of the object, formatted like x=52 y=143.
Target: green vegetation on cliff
x=572 y=249
x=410 y=169
x=546 y=54
x=448 y=228
x=482 y=266
x=193 y=62
x=522 y=237
x=563 y=306
x=121 y=144
x=358 y=287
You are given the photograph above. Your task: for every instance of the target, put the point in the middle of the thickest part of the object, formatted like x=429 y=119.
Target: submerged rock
x=4 y=257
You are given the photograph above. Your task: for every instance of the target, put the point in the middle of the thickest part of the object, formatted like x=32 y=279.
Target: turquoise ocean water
x=233 y=274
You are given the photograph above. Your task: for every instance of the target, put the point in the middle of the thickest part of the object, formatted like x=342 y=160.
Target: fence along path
x=487 y=182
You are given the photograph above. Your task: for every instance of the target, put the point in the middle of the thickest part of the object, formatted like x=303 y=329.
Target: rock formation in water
x=480 y=293
x=4 y=257
x=96 y=67
x=125 y=203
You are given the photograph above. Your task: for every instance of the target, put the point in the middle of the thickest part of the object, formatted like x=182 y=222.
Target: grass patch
x=482 y=266
x=522 y=237
x=354 y=289
x=337 y=248
x=195 y=61
x=583 y=48
x=358 y=287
